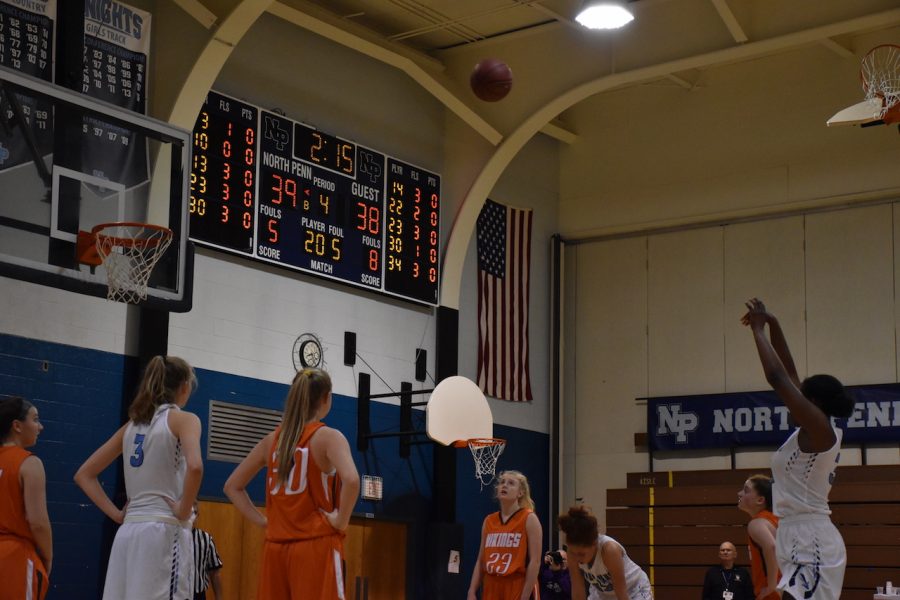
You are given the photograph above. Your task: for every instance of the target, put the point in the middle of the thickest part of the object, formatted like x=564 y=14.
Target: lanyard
x=727 y=579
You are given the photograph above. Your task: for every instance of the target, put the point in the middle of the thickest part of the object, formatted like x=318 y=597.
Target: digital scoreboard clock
x=279 y=191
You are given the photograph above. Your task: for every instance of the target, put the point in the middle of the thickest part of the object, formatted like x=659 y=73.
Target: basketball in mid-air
x=491 y=80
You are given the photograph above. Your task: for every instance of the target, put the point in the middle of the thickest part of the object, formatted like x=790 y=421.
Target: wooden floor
x=692 y=512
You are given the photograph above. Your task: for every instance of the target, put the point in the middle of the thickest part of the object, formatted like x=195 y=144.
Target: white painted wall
x=247 y=315
x=688 y=203
x=529 y=182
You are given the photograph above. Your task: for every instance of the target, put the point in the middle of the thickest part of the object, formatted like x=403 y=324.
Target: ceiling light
x=604 y=14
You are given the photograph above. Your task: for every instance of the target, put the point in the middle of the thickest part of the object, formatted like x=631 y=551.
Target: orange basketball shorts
x=24 y=577
x=305 y=569
x=504 y=588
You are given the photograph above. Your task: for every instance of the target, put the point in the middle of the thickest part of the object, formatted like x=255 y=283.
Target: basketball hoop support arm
x=363 y=427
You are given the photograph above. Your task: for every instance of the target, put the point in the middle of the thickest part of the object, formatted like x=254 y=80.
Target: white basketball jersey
x=154 y=466
x=802 y=480
x=598 y=580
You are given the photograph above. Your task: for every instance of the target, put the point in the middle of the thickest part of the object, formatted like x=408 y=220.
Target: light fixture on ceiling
x=604 y=14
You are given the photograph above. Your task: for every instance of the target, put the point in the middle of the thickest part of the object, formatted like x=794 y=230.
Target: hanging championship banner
x=116 y=55
x=26 y=45
x=760 y=419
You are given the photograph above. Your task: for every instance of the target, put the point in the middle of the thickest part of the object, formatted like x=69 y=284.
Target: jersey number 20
x=296 y=480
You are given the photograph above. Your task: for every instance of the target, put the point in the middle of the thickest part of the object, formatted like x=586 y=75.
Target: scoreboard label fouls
x=310 y=201
x=308 y=215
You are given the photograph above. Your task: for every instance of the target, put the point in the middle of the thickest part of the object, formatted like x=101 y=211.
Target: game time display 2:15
x=280 y=191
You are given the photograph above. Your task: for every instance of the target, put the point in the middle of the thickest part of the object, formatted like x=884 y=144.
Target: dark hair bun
x=830 y=395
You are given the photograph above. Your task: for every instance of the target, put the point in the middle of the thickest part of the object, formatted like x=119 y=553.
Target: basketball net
x=486 y=451
x=129 y=251
x=880 y=74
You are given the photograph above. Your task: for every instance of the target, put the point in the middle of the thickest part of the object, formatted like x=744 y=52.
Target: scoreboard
x=277 y=190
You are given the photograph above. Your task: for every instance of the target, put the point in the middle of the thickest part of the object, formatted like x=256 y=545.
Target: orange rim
x=484 y=442
x=879 y=48
x=130 y=242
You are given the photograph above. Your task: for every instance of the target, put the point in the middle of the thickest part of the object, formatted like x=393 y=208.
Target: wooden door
x=239 y=544
x=375 y=556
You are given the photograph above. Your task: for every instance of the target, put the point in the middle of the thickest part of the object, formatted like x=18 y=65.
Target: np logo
x=671 y=420
x=4 y=154
x=369 y=165
x=273 y=131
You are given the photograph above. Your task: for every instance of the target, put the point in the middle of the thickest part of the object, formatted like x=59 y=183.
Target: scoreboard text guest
x=280 y=191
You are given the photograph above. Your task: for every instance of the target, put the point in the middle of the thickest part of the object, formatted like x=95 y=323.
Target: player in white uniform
x=811 y=553
x=151 y=557
x=599 y=567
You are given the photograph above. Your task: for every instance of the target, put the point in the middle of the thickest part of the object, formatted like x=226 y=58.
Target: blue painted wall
x=80 y=394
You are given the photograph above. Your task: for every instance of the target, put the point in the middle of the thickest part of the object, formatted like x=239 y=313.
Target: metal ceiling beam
x=678 y=80
x=560 y=131
x=837 y=48
x=200 y=13
x=731 y=22
x=424 y=70
x=458 y=243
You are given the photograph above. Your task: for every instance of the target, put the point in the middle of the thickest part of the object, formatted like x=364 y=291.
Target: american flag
x=504 y=267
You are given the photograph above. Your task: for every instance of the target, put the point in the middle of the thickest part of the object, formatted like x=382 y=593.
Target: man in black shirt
x=726 y=581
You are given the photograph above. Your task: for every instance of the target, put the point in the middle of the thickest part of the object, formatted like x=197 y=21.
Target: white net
x=486 y=451
x=129 y=252
x=880 y=74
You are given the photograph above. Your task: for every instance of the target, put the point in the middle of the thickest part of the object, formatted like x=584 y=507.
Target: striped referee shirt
x=206 y=559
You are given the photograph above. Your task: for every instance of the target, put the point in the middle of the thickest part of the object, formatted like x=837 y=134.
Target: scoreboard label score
x=279 y=191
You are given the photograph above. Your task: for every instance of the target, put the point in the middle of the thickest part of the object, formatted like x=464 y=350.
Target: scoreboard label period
x=268 y=187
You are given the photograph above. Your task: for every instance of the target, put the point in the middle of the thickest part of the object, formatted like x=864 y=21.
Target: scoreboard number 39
x=280 y=191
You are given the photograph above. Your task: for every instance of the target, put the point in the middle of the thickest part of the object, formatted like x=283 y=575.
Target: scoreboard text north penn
x=276 y=190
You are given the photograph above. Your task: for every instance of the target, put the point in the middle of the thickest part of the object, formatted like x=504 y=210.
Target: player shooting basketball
x=811 y=553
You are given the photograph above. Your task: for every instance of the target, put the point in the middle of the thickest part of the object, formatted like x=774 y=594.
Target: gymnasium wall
x=246 y=315
x=78 y=393
x=696 y=201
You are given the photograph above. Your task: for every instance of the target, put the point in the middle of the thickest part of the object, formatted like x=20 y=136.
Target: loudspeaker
x=421 y=363
x=349 y=348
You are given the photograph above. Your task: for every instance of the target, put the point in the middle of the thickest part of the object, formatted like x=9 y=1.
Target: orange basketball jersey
x=292 y=508
x=23 y=571
x=505 y=544
x=758 y=561
x=12 y=502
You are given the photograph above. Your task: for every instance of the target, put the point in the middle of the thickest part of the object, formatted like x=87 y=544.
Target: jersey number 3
x=137 y=459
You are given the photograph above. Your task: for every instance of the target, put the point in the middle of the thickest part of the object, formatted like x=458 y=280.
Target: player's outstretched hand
x=756 y=316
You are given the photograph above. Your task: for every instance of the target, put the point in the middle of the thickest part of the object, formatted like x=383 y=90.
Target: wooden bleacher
x=694 y=511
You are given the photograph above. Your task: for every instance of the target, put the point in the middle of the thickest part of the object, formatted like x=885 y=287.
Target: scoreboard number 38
x=280 y=191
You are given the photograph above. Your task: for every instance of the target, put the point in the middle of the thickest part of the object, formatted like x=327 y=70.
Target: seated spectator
x=726 y=581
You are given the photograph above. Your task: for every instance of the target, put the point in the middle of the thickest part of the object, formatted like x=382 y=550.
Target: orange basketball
x=491 y=80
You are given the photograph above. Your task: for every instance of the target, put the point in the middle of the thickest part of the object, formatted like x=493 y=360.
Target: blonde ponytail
x=309 y=390
x=163 y=377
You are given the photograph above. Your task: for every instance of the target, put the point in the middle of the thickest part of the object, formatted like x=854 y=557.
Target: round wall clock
x=307 y=352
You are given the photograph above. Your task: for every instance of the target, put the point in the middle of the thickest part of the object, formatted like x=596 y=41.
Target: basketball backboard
x=861 y=113
x=68 y=163
x=880 y=76
x=458 y=411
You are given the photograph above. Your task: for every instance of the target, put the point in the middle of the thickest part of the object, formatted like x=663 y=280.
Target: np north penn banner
x=760 y=419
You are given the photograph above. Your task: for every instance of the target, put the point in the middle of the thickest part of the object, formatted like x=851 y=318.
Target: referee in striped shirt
x=207 y=563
